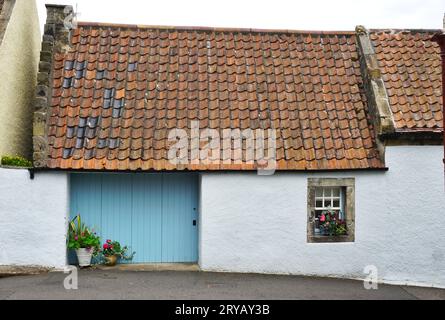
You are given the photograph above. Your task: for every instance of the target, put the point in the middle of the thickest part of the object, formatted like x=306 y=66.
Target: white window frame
x=331 y=198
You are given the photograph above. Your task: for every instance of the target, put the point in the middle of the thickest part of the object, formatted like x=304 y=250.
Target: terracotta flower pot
x=111 y=260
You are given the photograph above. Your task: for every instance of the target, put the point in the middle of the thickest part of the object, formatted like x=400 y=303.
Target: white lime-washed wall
x=33 y=218
x=252 y=223
x=19 y=58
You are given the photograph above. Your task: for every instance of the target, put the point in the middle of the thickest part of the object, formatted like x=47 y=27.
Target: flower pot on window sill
x=84 y=256
x=324 y=231
x=110 y=260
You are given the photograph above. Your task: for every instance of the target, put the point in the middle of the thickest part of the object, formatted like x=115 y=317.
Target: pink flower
x=76 y=238
x=322 y=218
x=108 y=241
x=105 y=246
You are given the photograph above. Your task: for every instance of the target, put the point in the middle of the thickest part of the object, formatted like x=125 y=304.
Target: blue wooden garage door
x=155 y=214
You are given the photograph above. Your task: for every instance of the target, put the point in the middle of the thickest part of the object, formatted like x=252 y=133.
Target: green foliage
x=80 y=236
x=15 y=161
x=340 y=230
x=331 y=224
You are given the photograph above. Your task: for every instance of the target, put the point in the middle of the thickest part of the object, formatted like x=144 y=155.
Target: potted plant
x=83 y=241
x=331 y=224
x=112 y=251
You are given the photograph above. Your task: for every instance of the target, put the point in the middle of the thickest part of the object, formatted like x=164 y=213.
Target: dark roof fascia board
x=413 y=137
x=314 y=171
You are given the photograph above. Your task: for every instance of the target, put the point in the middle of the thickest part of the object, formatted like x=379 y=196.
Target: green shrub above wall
x=15 y=161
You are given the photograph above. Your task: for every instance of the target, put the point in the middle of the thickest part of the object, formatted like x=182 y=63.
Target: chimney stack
x=58 y=22
x=56 y=39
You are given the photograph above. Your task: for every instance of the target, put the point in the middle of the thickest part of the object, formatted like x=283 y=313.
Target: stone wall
x=55 y=40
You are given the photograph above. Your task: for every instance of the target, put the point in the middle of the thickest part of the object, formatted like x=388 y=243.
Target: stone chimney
x=56 y=38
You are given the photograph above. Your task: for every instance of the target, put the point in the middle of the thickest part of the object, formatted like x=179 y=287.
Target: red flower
x=105 y=246
x=108 y=241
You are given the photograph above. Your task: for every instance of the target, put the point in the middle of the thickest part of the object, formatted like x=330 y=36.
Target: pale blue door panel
x=179 y=232
x=85 y=199
x=117 y=208
x=147 y=218
x=153 y=214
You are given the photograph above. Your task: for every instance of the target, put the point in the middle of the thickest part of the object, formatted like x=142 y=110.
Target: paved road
x=115 y=284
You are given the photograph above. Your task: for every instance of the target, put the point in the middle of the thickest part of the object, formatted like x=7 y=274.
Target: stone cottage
x=354 y=119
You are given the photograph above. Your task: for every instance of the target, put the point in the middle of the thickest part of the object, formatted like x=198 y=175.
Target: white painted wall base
x=33 y=218
x=252 y=223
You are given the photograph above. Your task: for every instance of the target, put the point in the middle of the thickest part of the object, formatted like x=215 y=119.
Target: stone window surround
x=349 y=185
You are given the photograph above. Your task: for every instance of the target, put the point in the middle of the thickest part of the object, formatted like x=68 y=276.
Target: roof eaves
x=418 y=136
x=282 y=171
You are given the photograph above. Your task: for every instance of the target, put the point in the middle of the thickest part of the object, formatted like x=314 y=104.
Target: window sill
x=329 y=239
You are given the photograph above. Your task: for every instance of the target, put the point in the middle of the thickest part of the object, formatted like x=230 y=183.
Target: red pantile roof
x=118 y=92
x=411 y=69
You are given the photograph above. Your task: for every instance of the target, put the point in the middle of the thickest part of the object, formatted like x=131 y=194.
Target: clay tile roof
x=120 y=90
x=411 y=69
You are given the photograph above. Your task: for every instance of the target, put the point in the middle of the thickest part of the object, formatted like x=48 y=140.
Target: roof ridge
x=407 y=30
x=215 y=29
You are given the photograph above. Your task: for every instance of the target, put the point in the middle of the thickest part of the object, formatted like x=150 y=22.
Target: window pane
x=327 y=192
x=336 y=192
x=318 y=192
x=327 y=203
x=336 y=203
x=319 y=203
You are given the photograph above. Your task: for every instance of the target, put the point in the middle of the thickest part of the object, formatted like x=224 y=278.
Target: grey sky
x=271 y=14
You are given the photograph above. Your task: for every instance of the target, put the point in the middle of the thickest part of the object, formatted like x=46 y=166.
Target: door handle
x=194 y=222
